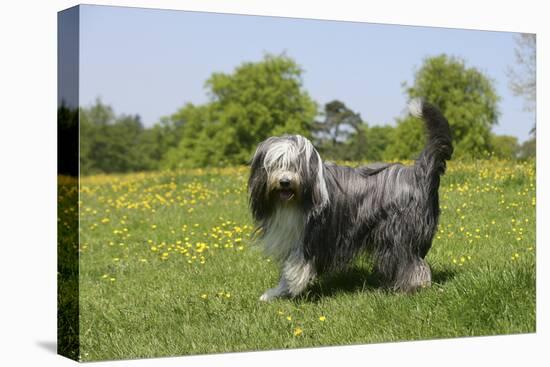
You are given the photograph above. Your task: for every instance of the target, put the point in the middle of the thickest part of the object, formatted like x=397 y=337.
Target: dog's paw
x=266 y=297
x=273 y=293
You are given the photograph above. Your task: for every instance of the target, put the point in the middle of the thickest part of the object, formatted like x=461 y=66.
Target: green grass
x=142 y=296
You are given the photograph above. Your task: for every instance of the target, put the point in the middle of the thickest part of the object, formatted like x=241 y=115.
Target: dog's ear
x=319 y=191
x=257 y=185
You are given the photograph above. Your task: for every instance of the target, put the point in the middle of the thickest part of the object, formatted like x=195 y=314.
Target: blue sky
x=152 y=62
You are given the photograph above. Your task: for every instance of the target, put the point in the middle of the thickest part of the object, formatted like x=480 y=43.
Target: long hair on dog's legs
x=402 y=269
x=296 y=274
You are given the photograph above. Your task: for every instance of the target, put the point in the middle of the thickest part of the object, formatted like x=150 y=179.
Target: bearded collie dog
x=314 y=217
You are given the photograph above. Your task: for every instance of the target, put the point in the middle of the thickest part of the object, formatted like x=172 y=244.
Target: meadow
x=168 y=266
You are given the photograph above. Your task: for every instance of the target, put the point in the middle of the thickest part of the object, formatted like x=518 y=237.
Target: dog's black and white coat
x=315 y=216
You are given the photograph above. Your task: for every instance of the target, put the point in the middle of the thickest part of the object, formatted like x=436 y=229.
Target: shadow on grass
x=357 y=279
x=442 y=276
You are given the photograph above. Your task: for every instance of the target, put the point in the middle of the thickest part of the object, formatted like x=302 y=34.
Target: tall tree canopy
x=341 y=134
x=523 y=78
x=111 y=143
x=523 y=82
x=254 y=102
x=465 y=96
x=504 y=146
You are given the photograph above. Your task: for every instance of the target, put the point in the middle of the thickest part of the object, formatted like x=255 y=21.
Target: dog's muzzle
x=286 y=191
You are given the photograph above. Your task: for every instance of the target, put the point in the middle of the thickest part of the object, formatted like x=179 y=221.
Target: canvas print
x=233 y=183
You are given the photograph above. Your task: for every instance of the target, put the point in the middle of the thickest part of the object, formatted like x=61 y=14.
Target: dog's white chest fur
x=285 y=232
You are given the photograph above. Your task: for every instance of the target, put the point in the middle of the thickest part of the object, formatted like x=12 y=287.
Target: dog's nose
x=284 y=182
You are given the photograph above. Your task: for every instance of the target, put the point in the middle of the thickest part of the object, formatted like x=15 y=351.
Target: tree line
x=266 y=98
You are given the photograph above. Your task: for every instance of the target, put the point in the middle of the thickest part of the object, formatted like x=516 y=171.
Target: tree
x=523 y=82
x=195 y=147
x=528 y=149
x=156 y=141
x=523 y=79
x=378 y=140
x=369 y=143
x=466 y=97
x=111 y=143
x=341 y=135
x=254 y=102
x=504 y=146
x=408 y=139
x=338 y=123
x=94 y=121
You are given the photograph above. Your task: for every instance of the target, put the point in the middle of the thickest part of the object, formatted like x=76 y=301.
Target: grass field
x=168 y=267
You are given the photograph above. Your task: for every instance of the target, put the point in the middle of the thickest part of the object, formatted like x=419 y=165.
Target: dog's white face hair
x=287 y=162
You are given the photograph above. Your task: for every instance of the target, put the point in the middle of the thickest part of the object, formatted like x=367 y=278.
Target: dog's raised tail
x=439 y=146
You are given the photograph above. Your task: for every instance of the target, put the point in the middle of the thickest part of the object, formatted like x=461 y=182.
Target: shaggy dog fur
x=314 y=216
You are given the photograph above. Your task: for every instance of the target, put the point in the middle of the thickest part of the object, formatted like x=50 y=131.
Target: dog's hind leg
x=414 y=275
x=402 y=269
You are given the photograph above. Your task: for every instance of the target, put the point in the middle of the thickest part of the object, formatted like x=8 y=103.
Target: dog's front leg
x=296 y=275
x=280 y=291
x=298 y=272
